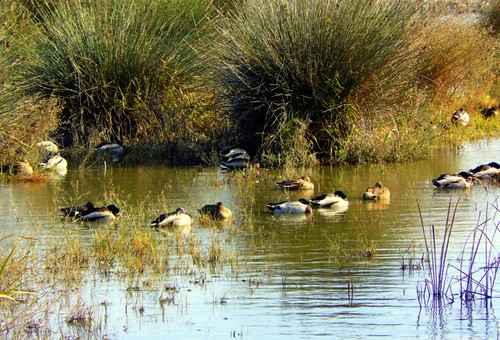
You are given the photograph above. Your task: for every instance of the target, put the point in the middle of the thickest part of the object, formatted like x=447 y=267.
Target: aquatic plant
x=436 y=254
x=473 y=278
x=478 y=279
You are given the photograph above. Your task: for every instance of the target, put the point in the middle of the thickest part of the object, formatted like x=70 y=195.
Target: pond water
x=291 y=276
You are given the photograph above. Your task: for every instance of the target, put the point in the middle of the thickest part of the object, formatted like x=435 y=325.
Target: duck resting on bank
x=235 y=159
x=337 y=199
x=216 y=211
x=301 y=183
x=302 y=206
x=115 y=151
x=377 y=192
x=178 y=218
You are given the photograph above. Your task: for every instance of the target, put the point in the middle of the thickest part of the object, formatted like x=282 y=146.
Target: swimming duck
x=301 y=183
x=100 y=214
x=235 y=159
x=485 y=171
x=302 y=206
x=459 y=180
x=178 y=218
x=75 y=211
x=460 y=117
x=23 y=168
x=337 y=199
x=116 y=151
x=48 y=147
x=377 y=192
x=217 y=211
x=56 y=163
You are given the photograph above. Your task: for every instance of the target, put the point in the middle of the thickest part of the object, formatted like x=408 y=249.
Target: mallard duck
x=485 y=171
x=337 y=199
x=302 y=206
x=23 y=168
x=460 y=117
x=490 y=112
x=178 y=218
x=76 y=211
x=301 y=183
x=459 y=180
x=235 y=159
x=56 y=163
x=100 y=214
x=116 y=151
x=217 y=211
x=48 y=147
x=377 y=192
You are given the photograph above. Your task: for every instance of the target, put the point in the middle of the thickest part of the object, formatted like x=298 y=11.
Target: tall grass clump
x=22 y=118
x=110 y=61
x=290 y=63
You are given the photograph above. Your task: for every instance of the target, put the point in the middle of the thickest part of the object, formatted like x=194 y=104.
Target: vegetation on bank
x=293 y=82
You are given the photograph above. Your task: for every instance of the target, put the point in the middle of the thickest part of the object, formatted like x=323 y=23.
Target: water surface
x=295 y=276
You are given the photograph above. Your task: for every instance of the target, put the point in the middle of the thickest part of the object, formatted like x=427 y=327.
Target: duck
x=485 y=171
x=337 y=199
x=217 y=211
x=461 y=180
x=47 y=147
x=23 y=168
x=301 y=183
x=302 y=206
x=178 y=218
x=75 y=211
x=377 y=192
x=460 y=117
x=100 y=214
x=490 y=112
x=56 y=163
x=116 y=151
x=235 y=159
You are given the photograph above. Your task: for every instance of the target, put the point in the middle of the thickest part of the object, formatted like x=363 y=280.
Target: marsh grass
x=290 y=67
x=109 y=65
x=438 y=285
x=478 y=279
x=474 y=278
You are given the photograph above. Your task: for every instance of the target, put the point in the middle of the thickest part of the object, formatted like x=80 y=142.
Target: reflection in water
x=282 y=280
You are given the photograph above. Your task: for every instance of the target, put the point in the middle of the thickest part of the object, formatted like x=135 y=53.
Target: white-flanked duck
x=76 y=211
x=100 y=214
x=47 y=147
x=178 y=218
x=460 y=117
x=115 y=151
x=216 y=211
x=461 y=180
x=235 y=159
x=56 y=163
x=336 y=200
x=302 y=206
x=301 y=183
x=377 y=192
x=485 y=171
